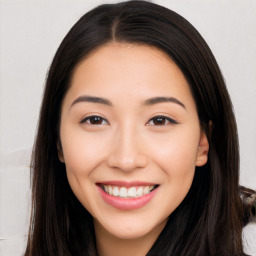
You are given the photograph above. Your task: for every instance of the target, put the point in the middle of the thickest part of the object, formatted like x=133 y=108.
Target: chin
x=130 y=234
x=133 y=229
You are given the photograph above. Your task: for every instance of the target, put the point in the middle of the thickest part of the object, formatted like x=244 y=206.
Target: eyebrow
x=107 y=102
x=156 y=100
x=92 y=99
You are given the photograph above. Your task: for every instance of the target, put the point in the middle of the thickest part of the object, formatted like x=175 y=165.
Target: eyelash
x=167 y=120
x=99 y=120
x=89 y=119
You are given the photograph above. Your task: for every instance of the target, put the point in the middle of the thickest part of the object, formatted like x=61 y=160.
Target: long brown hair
x=209 y=220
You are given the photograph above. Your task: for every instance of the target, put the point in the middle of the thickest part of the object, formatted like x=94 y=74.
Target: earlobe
x=203 y=149
x=60 y=152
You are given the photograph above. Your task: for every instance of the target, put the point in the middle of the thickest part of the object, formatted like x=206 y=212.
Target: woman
x=136 y=151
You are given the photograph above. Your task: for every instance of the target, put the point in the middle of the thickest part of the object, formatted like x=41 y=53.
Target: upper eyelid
x=91 y=116
x=162 y=116
x=170 y=119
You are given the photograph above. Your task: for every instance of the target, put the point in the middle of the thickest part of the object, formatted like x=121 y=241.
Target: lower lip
x=127 y=203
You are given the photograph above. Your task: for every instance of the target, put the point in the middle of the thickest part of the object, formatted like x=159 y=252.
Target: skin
x=126 y=144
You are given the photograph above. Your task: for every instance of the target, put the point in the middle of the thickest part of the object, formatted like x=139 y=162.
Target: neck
x=110 y=245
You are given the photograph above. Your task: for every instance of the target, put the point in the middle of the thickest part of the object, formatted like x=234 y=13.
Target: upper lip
x=120 y=183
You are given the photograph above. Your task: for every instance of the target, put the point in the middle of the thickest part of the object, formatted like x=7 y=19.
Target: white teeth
x=106 y=188
x=146 y=190
x=139 y=192
x=115 y=191
x=123 y=192
x=132 y=192
x=110 y=190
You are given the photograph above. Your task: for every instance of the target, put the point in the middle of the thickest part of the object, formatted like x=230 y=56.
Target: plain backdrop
x=30 y=32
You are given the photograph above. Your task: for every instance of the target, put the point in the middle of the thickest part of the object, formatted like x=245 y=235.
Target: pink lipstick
x=127 y=195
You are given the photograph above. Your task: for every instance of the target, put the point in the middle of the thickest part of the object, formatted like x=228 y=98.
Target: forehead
x=128 y=70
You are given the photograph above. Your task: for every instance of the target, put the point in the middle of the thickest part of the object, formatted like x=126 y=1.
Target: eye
x=94 y=120
x=161 y=121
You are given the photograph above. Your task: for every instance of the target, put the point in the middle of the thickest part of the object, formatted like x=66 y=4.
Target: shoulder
x=249 y=239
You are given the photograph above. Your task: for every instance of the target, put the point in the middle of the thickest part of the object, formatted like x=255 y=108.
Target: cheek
x=82 y=154
x=177 y=152
x=82 y=151
x=176 y=156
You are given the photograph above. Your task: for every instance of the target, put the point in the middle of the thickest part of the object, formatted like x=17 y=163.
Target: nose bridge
x=127 y=152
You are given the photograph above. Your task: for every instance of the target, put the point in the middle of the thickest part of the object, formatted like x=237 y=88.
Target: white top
x=249 y=239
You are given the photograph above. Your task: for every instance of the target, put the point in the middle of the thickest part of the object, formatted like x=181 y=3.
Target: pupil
x=96 y=120
x=159 y=121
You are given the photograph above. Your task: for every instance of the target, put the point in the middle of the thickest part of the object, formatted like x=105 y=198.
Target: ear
x=60 y=152
x=203 y=149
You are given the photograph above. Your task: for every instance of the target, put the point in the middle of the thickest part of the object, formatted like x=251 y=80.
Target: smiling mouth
x=124 y=192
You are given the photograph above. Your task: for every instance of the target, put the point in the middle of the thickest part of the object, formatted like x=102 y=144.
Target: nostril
x=127 y=162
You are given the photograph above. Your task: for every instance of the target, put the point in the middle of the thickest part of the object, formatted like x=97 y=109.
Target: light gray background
x=30 y=33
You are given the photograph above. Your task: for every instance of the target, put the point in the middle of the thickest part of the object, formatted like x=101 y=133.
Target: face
x=130 y=138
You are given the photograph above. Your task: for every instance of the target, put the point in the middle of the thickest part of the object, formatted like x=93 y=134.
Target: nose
x=127 y=151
